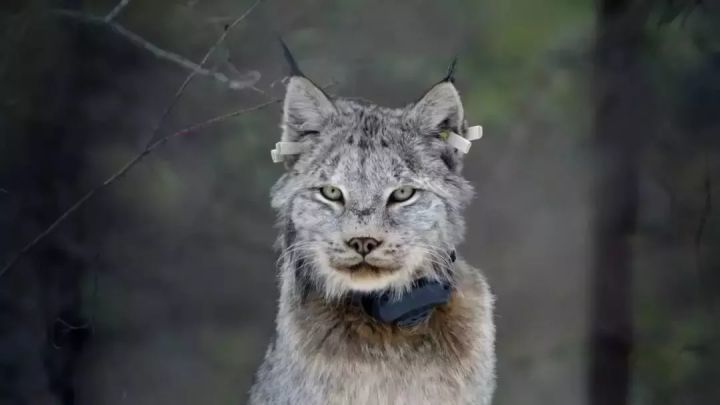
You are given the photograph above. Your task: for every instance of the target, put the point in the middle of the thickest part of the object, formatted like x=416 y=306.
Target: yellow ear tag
x=444 y=135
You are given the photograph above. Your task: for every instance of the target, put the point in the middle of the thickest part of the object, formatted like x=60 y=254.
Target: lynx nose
x=363 y=245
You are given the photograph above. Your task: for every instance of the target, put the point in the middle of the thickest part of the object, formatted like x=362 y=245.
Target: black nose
x=363 y=245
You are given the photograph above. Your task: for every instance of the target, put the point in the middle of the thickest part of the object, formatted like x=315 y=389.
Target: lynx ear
x=305 y=110
x=440 y=109
x=439 y=113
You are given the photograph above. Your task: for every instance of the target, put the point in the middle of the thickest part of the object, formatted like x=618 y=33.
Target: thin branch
x=223 y=117
x=204 y=60
x=148 y=148
x=195 y=69
x=218 y=119
x=117 y=10
x=122 y=171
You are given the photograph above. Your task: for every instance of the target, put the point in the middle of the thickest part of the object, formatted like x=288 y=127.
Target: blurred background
x=597 y=185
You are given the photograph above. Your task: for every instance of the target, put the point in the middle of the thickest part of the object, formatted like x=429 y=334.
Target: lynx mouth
x=366 y=270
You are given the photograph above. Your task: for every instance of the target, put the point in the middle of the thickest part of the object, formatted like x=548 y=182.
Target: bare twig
x=117 y=10
x=149 y=147
x=195 y=69
x=122 y=171
x=204 y=60
x=219 y=118
x=223 y=117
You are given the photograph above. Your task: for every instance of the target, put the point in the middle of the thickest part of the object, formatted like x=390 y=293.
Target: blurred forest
x=597 y=186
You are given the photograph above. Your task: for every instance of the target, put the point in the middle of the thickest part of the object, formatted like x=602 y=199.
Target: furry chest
x=383 y=384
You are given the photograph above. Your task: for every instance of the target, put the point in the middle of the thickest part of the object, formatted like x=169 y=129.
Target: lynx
x=375 y=305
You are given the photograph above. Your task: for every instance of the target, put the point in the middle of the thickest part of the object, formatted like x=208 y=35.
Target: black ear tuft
x=294 y=69
x=450 y=77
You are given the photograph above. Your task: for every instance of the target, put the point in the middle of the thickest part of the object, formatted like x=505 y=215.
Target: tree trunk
x=623 y=117
x=43 y=298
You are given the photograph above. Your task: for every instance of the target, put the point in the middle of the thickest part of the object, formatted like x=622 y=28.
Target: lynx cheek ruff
x=458 y=142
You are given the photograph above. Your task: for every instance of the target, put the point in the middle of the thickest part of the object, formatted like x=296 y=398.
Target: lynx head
x=375 y=200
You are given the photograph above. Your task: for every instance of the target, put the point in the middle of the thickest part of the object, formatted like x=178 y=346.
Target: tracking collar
x=411 y=308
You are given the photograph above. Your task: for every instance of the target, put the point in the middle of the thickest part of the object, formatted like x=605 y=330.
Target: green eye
x=402 y=194
x=332 y=193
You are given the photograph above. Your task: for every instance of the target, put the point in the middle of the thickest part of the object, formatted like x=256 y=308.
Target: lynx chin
x=375 y=306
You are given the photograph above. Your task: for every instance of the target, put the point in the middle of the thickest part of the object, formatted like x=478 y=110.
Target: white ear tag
x=286 y=148
x=290 y=148
x=474 y=133
x=276 y=158
x=458 y=142
x=463 y=144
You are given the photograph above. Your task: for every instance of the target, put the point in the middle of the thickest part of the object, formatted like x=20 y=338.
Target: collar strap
x=411 y=308
x=458 y=142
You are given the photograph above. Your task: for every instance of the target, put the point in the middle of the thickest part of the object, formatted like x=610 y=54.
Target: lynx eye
x=402 y=194
x=332 y=193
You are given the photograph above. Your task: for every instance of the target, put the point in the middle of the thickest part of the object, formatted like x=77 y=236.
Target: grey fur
x=326 y=350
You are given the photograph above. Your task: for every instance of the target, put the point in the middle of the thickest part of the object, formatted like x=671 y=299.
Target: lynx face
x=375 y=202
